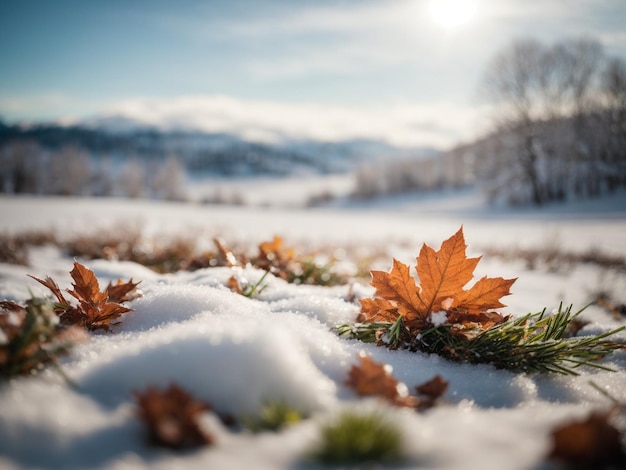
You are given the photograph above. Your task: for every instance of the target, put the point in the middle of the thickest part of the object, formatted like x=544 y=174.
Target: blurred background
x=314 y=103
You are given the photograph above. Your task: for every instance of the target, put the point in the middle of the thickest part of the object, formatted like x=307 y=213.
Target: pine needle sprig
x=535 y=342
x=365 y=332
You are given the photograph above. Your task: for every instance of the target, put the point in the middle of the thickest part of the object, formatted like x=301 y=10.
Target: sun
x=452 y=14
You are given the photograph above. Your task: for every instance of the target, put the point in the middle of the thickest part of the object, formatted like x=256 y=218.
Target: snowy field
x=237 y=352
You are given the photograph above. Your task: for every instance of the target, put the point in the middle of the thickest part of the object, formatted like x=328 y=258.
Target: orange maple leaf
x=276 y=258
x=443 y=275
x=275 y=250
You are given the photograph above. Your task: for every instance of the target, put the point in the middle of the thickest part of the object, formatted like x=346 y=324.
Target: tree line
x=560 y=122
x=27 y=168
x=558 y=131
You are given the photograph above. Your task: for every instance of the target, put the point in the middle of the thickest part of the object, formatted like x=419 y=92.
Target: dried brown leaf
x=275 y=257
x=172 y=417
x=123 y=291
x=233 y=284
x=590 y=443
x=226 y=257
x=275 y=249
x=371 y=378
x=86 y=287
x=96 y=309
x=54 y=288
x=431 y=391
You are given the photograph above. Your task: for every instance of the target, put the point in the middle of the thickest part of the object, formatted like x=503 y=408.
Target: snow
x=438 y=318
x=294 y=191
x=237 y=352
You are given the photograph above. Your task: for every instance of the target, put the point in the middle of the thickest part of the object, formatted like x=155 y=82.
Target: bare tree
x=70 y=172
x=512 y=80
x=132 y=179
x=369 y=183
x=21 y=168
x=549 y=116
x=102 y=183
x=169 y=179
x=613 y=86
x=585 y=59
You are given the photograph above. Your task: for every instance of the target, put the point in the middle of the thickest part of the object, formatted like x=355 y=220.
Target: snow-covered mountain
x=217 y=153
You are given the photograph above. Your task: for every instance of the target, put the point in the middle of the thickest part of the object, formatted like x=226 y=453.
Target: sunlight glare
x=451 y=14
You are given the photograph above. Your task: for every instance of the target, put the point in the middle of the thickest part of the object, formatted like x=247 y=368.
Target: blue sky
x=378 y=64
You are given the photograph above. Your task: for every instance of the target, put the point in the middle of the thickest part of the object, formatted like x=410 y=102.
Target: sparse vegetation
x=556 y=259
x=273 y=416
x=360 y=438
x=440 y=316
x=31 y=337
x=14 y=247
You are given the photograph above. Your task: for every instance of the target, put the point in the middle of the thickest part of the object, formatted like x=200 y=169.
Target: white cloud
x=348 y=58
x=439 y=124
x=362 y=17
x=26 y=103
x=343 y=38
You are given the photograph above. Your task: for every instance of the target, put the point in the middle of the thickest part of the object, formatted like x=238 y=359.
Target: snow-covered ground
x=237 y=353
x=293 y=191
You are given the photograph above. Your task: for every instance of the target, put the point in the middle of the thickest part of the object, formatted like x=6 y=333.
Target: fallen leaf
x=371 y=378
x=377 y=310
x=96 y=309
x=226 y=257
x=56 y=291
x=590 y=443
x=275 y=257
x=172 y=417
x=431 y=391
x=123 y=291
x=233 y=285
x=443 y=274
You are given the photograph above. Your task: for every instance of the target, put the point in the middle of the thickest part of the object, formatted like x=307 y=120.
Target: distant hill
x=218 y=154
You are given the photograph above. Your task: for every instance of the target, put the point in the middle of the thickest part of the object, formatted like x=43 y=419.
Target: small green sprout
x=252 y=290
x=360 y=438
x=273 y=416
